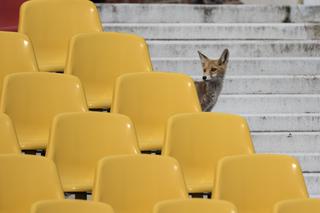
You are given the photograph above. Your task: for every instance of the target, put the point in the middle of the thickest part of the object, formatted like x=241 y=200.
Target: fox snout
x=204 y=77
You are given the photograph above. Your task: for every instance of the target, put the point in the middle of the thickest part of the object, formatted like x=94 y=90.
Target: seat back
x=136 y=183
x=25 y=179
x=51 y=24
x=149 y=99
x=16 y=55
x=67 y=206
x=94 y=135
x=8 y=138
x=33 y=99
x=298 y=206
x=255 y=183
x=199 y=140
x=99 y=58
x=194 y=206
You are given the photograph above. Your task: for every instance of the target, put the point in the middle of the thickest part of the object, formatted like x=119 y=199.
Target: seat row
x=32 y=100
x=78 y=140
x=136 y=183
x=97 y=59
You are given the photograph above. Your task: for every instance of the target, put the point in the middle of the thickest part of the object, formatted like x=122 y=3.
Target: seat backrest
x=136 y=183
x=9 y=14
x=8 y=138
x=33 y=99
x=149 y=99
x=25 y=179
x=298 y=206
x=99 y=58
x=255 y=183
x=94 y=135
x=68 y=206
x=199 y=140
x=51 y=24
x=194 y=206
x=16 y=55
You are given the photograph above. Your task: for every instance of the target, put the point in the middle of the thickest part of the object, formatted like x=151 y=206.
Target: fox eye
x=213 y=69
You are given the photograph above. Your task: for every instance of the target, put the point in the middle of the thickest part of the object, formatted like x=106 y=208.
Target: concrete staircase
x=273 y=78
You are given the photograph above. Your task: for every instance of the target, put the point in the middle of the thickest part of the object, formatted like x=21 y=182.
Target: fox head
x=214 y=67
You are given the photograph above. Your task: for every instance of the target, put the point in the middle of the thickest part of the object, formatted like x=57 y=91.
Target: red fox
x=212 y=80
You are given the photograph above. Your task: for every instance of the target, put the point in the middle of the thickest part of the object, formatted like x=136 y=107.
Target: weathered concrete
x=281 y=122
x=173 y=13
x=275 y=103
x=286 y=142
x=271 y=85
x=187 y=31
x=244 y=66
x=250 y=48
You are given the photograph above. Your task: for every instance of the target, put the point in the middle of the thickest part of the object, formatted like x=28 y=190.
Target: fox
x=210 y=87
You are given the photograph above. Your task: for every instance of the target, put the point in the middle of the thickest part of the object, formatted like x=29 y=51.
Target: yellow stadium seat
x=199 y=140
x=255 y=183
x=33 y=99
x=25 y=179
x=51 y=24
x=134 y=184
x=298 y=206
x=16 y=55
x=150 y=98
x=194 y=206
x=79 y=140
x=8 y=138
x=99 y=58
x=69 y=206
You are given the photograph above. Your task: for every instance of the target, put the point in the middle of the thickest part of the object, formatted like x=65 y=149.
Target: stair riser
x=237 y=49
x=267 y=104
x=211 y=32
x=153 y=13
x=286 y=142
x=313 y=184
x=284 y=123
x=241 y=67
x=271 y=85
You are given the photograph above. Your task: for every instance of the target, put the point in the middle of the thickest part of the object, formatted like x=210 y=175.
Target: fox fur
x=212 y=79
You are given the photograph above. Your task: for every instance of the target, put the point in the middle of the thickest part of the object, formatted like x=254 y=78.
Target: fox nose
x=204 y=77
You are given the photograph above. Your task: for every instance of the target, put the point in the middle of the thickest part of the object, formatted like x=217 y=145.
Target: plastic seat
x=194 y=206
x=298 y=206
x=69 y=206
x=51 y=24
x=149 y=99
x=8 y=138
x=93 y=135
x=199 y=140
x=9 y=14
x=134 y=184
x=25 y=179
x=99 y=58
x=16 y=55
x=33 y=99
x=255 y=183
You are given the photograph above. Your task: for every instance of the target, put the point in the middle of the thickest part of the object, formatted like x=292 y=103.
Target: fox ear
x=224 y=58
x=203 y=58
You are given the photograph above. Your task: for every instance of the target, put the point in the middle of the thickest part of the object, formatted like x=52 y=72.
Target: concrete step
x=310 y=162
x=280 y=122
x=313 y=183
x=268 y=104
x=271 y=85
x=177 y=13
x=250 y=48
x=187 y=31
x=244 y=66
x=286 y=142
